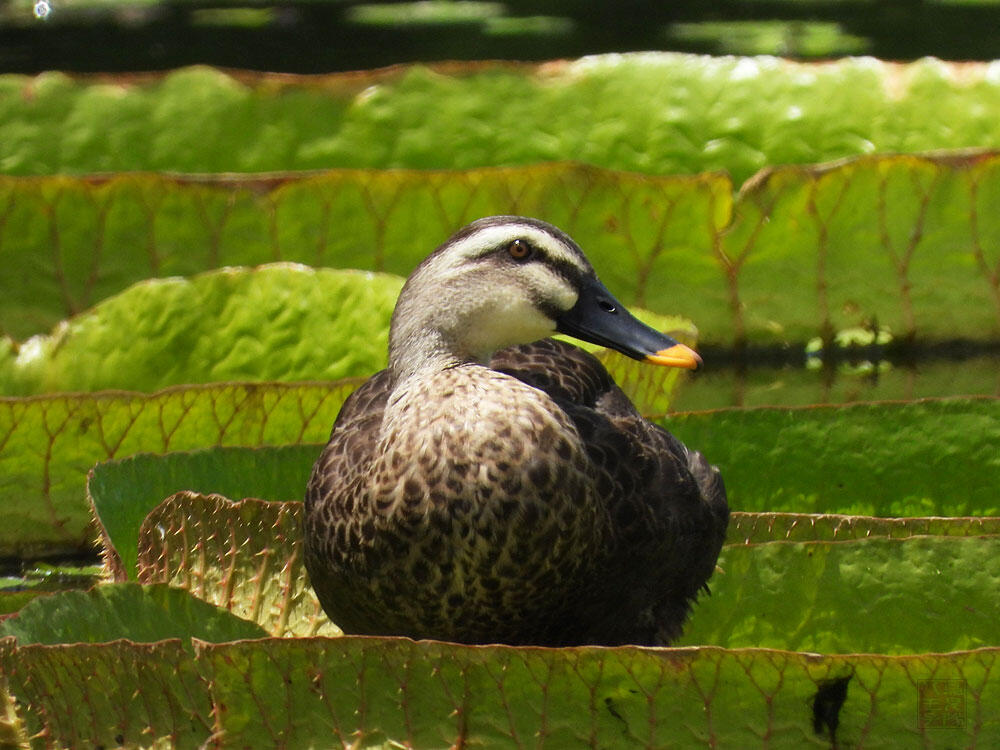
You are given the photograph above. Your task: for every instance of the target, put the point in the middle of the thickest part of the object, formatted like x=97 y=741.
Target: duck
x=493 y=485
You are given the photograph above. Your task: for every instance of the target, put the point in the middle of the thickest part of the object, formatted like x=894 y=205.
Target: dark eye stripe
x=568 y=271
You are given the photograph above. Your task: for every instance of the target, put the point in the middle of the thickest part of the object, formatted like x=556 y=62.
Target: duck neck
x=422 y=335
x=416 y=351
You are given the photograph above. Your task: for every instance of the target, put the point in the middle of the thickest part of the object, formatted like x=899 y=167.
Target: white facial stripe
x=491 y=237
x=560 y=291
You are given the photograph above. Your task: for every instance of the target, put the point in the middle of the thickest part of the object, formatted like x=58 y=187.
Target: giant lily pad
x=49 y=443
x=657 y=113
x=122 y=493
x=275 y=323
x=246 y=556
x=375 y=691
x=124 y=611
x=935 y=457
x=904 y=245
x=875 y=595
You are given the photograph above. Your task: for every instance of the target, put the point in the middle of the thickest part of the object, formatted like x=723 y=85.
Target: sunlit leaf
x=129 y=611
x=904 y=246
x=244 y=556
x=275 y=323
x=658 y=113
x=756 y=528
x=68 y=243
x=901 y=246
x=925 y=458
x=49 y=443
x=381 y=692
x=110 y=694
x=915 y=595
x=124 y=492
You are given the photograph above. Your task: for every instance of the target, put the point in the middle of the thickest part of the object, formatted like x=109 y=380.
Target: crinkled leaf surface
x=49 y=443
x=109 y=694
x=925 y=458
x=69 y=243
x=880 y=596
x=658 y=113
x=129 y=611
x=123 y=492
x=370 y=692
x=244 y=556
x=437 y=695
x=274 y=323
x=756 y=528
x=903 y=243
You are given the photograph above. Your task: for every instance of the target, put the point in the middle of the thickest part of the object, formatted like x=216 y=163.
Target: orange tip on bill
x=677 y=355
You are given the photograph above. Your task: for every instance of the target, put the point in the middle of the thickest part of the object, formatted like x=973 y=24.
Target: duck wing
x=666 y=503
x=331 y=528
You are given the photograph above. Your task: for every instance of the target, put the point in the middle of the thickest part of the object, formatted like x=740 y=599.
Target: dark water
x=322 y=36
x=720 y=384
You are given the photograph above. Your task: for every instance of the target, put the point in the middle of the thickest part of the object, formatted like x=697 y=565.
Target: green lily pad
x=274 y=323
x=384 y=692
x=880 y=596
x=49 y=443
x=124 y=610
x=381 y=221
x=935 y=457
x=658 y=113
x=109 y=694
x=757 y=528
x=435 y=694
x=187 y=542
x=122 y=493
x=898 y=243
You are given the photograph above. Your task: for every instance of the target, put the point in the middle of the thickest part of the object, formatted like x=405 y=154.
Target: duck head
x=506 y=280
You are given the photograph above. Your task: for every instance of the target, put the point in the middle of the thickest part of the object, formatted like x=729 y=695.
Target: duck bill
x=597 y=317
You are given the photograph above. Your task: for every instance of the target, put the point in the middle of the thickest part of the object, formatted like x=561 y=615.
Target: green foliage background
x=201 y=267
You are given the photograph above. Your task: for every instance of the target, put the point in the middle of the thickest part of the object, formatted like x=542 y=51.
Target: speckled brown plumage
x=480 y=492
x=562 y=518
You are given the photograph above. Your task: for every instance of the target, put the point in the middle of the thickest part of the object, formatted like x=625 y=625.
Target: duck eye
x=520 y=250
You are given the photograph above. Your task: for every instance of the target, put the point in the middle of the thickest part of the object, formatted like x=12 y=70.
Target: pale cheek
x=566 y=298
x=513 y=323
